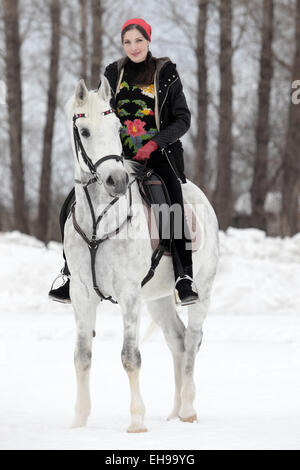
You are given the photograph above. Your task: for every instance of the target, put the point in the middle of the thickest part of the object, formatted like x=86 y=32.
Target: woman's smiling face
x=135 y=45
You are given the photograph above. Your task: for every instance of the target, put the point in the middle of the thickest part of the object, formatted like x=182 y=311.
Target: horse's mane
x=131 y=166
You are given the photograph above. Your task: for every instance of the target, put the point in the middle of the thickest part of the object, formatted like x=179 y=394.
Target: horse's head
x=95 y=137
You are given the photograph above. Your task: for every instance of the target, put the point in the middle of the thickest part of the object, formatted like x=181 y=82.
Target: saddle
x=154 y=195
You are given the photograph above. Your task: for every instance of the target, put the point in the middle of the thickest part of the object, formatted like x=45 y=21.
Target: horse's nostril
x=127 y=178
x=110 y=181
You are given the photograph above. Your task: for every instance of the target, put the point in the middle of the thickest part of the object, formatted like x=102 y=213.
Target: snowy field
x=247 y=371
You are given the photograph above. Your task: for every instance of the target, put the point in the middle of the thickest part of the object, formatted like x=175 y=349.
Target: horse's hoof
x=79 y=423
x=190 y=419
x=136 y=429
x=172 y=416
x=75 y=425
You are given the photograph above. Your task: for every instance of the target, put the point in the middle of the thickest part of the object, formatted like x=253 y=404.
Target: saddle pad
x=193 y=225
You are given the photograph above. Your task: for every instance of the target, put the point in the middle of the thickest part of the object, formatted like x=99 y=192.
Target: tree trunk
x=45 y=181
x=291 y=161
x=223 y=191
x=14 y=104
x=259 y=185
x=96 y=59
x=201 y=136
x=83 y=40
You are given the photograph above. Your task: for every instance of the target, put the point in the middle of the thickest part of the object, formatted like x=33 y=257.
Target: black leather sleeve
x=179 y=113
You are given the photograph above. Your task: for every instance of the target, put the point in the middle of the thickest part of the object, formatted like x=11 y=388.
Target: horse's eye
x=85 y=132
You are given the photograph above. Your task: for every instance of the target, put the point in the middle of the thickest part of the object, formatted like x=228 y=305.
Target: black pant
x=181 y=246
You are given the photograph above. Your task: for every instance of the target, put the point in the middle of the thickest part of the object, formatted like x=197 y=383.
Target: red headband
x=141 y=23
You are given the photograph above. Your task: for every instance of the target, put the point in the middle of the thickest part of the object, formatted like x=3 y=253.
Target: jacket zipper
x=177 y=177
x=162 y=107
x=163 y=150
x=165 y=100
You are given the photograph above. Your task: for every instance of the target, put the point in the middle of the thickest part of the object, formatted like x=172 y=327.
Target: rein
x=94 y=243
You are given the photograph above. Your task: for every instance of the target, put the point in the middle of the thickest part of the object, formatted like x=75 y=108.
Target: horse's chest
x=119 y=255
x=124 y=258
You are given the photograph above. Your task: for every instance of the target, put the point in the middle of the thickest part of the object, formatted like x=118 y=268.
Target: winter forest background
x=239 y=61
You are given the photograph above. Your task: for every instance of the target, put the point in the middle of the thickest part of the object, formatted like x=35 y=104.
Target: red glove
x=144 y=152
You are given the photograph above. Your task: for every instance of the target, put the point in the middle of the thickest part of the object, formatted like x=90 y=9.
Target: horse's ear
x=104 y=89
x=81 y=93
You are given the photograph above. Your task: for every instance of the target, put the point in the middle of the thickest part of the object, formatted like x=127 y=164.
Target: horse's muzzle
x=117 y=182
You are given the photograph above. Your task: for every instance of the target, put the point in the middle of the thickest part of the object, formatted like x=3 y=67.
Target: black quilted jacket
x=172 y=114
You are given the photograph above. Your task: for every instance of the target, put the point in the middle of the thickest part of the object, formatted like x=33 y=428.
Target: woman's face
x=135 y=45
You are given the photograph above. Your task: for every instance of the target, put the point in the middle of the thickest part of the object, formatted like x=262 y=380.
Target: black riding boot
x=183 y=269
x=184 y=287
x=183 y=272
x=62 y=293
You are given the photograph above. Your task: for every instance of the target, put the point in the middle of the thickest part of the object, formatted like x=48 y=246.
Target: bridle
x=78 y=146
x=94 y=243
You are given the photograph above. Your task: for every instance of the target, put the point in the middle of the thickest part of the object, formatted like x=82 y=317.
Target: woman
x=149 y=101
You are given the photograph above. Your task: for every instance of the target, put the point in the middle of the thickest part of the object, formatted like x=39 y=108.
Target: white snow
x=247 y=371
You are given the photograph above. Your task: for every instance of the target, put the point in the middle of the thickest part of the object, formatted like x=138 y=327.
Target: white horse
x=122 y=262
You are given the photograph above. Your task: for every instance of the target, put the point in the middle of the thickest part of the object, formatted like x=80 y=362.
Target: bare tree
x=223 y=191
x=44 y=202
x=83 y=38
x=259 y=184
x=201 y=132
x=14 y=103
x=291 y=162
x=97 y=53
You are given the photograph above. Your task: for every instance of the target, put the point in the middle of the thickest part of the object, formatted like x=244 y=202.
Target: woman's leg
x=64 y=212
x=181 y=245
x=62 y=293
x=182 y=240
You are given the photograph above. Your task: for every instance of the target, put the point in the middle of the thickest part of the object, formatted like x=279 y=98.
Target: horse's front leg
x=85 y=314
x=131 y=360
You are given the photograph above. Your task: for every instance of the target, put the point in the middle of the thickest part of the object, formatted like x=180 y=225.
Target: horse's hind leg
x=131 y=360
x=192 y=342
x=85 y=314
x=164 y=314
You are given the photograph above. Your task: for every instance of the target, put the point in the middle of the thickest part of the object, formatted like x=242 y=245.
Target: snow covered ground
x=247 y=374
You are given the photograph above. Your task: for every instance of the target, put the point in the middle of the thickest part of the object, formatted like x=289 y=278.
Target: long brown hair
x=145 y=76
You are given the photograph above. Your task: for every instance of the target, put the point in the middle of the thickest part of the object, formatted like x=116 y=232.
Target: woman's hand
x=144 y=152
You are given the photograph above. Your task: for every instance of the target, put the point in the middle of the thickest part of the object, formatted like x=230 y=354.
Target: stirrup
x=178 y=301
x=64 y=276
